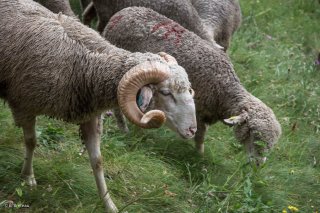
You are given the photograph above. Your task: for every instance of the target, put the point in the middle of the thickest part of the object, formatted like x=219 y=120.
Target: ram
x=219 y=95
x=53 y=65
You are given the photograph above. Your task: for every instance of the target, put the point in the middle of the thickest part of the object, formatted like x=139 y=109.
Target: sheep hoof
x=30 y=180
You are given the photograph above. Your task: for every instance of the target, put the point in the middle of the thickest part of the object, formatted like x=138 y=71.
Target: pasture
x=274 y=54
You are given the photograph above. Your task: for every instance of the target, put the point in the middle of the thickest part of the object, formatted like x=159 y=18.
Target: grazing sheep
x=53 y=65
x=219 y=95
x=221 y=18
x=181 y=11
x=58 y=6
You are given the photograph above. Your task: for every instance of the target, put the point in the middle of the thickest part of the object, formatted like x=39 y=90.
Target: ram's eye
x=191 y=92
x=165 y=92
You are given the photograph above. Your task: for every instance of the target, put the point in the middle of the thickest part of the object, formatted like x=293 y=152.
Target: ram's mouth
x=185 y=135
x=172 y=124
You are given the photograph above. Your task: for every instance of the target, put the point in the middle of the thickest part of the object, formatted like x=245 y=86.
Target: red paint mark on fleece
x=114 y=21
x=171 y=28
x=161 y=24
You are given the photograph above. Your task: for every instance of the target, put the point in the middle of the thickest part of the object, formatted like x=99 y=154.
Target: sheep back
x=180 y=11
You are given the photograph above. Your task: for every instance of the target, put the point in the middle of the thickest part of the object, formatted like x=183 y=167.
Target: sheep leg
x=91 y=132
x=121 y=122
x=30 y=144
x=199 y=137
x=84 y=4
x=88 y=14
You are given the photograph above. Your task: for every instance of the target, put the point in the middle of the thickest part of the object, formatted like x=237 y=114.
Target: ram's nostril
x=193 y=129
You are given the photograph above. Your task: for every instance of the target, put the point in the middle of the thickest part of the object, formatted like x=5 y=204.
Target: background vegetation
x=274 y=54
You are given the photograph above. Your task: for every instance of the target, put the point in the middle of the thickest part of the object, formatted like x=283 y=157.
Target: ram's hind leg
x=121 y=121
x=91 y=132
x=30 y=144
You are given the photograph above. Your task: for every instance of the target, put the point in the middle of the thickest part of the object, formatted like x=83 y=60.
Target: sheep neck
x=95 y=89
x=232 y=100
x=215 y=71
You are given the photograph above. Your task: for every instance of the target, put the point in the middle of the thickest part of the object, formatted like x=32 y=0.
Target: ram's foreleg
x=91 y=132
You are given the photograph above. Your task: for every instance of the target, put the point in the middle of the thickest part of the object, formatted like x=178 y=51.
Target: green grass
x=154 y=171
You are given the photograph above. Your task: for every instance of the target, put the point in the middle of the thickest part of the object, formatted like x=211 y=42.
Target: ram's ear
x=168 y=58
x=236 y=120
x=144 y=97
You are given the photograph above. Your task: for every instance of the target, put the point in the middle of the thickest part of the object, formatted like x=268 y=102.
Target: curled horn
x=169 y=59
x=236 y=120
x=138 y=76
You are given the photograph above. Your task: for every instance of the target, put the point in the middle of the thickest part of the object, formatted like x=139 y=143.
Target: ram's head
x=157 y=92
